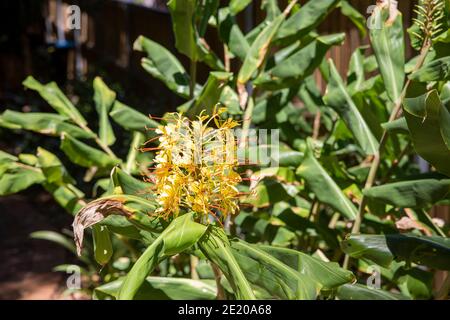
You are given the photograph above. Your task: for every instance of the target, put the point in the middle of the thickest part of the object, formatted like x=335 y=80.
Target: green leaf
x=210 y=94
x=328 y=274
x=389 y=47
x=103 y=250
x=433 y=251
x=84 y=155
x=300 y=64
x=216 y=247
x=398 y=125
x=130 y=119
x=429 y=124
x=19 y=178
x=104 y=99
x=181 y=234
x=306 y=19
x=258 y=50
x=323 y=186
x=125 y=183
x=266 y=271
x=67 y=196
x=45 y=123
x=237 y=6
x=357 y=18
x=410 y=194
x=163 y=65
x=182 y=13
x=161 y=288
x=232 y=35
x=56 y=238
x=52 y=168
x=55 y=98
x=436 y=70
x=338 y=98
x=360 y=292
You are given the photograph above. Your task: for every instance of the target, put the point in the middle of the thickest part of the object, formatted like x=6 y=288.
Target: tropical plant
x=334 y=209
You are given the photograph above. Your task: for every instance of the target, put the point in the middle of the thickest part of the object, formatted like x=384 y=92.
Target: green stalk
x=377 y=157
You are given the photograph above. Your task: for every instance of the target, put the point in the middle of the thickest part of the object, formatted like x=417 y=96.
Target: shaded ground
x=26 y=264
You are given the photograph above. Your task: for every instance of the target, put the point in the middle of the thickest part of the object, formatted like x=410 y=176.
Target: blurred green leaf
x=163 y=65
x=130 y=119
x=104 y=99
x=55 y=98
x=300 y=64
x=410 y=193
x=323 y=186
x=178 y=236
x=45 y=123
x=429 y=124
x=389 y=47
x=433 y=251
x=161 y=288
x=339 y=99
x=84 y=155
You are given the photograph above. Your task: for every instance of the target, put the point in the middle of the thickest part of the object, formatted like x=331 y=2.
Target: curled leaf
x=93 y=213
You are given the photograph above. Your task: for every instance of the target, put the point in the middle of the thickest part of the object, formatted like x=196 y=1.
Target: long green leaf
x=429 y=125
x=323 y=186
x=130 y=119
x=305 y=19
x=389 y=46
x=51 y=124
x=161 y=288
x=383 y=249
x=339 y=99
x=55 y=98
x=300 y=64
x=410 y=194
x=84 y=155
x=216 y=247
x=104 y=99
x=163 y=65
x=177 y=237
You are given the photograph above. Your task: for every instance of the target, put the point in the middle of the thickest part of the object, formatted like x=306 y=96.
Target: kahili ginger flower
x=194 y=167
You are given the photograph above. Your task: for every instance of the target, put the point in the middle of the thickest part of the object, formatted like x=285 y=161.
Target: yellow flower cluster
x=194 y=167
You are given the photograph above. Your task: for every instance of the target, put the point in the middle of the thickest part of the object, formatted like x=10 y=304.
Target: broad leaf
x=410 y=194
x=84 y=155
x=300 y=64
x=104 y=99
x=45 y=123
x=177 y=237
x=360 y=292
x=163 y=65
x=130 y=119
x=389 y=46
x=433 y=251
x=55 y=98
x=323 y=186
x=305 y=19
x=161 y=288
x=429 y=124
x=340 y=100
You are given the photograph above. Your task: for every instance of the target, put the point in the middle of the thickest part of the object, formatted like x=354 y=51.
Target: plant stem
x=138 y=138
x=443 y=291
x=226 y=57
x=377 y=157
x=194 y=263
x=193 y=78
x=99 y=142
x=218 y=277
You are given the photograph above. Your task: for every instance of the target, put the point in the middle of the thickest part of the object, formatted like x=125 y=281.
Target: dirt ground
x=26 y=264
